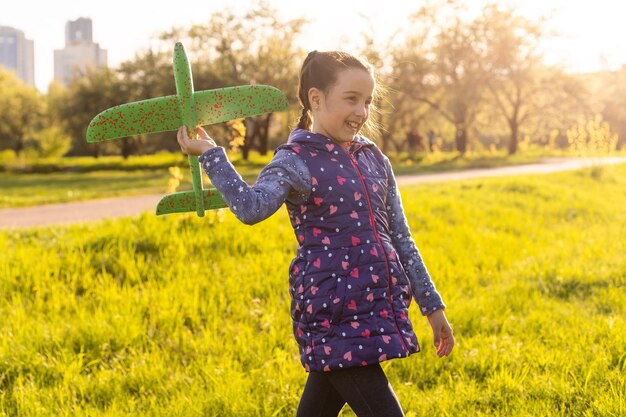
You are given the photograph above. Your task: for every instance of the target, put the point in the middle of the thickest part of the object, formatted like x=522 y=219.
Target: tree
x=52 y=141
x=407 y=83
x=512 y=59
x=614 y=103
x=560 y=99
x=521 y=87
x=23 y=110
x=98 y=90
x=451 y=77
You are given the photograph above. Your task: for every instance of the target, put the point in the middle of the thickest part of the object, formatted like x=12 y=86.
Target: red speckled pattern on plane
x=163 y=114
x=185 y=201
x=216 y=106
x=147 y=116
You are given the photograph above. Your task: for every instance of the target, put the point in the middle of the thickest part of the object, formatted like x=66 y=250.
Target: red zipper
x=373 y=223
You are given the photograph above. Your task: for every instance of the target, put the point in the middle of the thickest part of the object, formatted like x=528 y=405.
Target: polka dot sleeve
x=285 y=177
x=422 y=286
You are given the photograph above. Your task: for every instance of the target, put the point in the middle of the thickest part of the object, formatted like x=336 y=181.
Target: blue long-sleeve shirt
x=287 y=177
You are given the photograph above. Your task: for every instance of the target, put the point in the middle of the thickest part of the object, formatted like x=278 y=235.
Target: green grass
x=89 y=178
x=90 y=164
x=61 y=180
x=404 y=163
x=182 y=316
x=35 y=189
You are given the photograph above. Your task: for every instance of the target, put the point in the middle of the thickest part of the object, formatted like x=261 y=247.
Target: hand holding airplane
x=197 y=147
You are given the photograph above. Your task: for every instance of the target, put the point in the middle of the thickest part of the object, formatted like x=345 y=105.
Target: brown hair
x=320 y=70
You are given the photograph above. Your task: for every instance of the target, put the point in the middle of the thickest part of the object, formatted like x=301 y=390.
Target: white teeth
x=353 y=125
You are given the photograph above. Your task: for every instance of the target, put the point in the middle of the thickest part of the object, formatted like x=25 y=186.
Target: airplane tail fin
x=185 y=201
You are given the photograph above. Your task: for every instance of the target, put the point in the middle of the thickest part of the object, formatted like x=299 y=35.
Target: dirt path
x=87 y=211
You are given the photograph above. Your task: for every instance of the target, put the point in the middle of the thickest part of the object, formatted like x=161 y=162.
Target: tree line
x=451 y=82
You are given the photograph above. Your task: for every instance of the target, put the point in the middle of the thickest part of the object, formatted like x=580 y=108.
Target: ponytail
x=305 y=120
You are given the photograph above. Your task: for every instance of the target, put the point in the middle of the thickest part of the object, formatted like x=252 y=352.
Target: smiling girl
x=357 y=266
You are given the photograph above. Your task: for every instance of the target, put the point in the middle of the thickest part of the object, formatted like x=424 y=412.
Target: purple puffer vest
x=349 y=293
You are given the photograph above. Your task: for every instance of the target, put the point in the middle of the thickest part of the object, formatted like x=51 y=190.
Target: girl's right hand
x=442 y=333
x=194 y=146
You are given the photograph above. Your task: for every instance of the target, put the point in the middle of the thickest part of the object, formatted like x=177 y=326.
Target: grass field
x=21 y=190
x=181 y=316
x=84 y=178
x=75 y=179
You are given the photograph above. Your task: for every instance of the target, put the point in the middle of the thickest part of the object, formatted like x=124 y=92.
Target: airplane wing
x=223 y=104
x=148 y=116
x=163 y=114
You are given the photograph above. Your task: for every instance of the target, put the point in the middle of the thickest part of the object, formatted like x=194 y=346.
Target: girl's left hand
x=442 y=333
x=194 y=146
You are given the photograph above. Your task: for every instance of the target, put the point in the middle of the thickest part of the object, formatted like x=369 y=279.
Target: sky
x=592 y=32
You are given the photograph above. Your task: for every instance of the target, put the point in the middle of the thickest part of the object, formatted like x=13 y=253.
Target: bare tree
x=449 y=75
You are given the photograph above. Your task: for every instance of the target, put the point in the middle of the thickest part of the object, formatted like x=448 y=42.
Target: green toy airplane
x=191 y=109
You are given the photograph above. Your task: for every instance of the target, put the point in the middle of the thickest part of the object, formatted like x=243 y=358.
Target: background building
x=17 y=54
x=79 y=31
x=80 y=52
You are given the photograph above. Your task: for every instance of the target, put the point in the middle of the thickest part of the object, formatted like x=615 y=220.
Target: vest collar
x=321 y=142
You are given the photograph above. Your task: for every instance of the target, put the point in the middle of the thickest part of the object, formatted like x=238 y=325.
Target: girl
x=356 y=265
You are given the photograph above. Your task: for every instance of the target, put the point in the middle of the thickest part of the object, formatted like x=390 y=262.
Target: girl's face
x=340 y=112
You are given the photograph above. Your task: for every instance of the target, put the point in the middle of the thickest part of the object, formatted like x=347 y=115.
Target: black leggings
x=366 y=390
